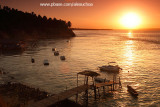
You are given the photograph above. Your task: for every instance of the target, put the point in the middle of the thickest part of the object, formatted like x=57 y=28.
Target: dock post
x=76 y=97
x=103 y=89
x=95 y=95
x=85 y=80
x=77 y=80
x=86 y=97
x=98 y=93
x=113 y=82
x=120 y=85
x=87 y=93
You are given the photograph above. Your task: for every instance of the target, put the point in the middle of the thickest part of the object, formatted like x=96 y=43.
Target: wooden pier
x=61 y=96
x=75 y=91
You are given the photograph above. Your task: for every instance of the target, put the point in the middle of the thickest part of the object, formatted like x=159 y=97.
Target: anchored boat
x=56 y=53
x=111 y=67
x=132 y=91
x=62 y=57
x=46 y=62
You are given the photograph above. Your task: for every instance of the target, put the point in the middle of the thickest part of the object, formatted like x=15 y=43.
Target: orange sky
x=104 y=13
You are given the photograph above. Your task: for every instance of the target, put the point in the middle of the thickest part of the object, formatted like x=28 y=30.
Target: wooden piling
x=103 y=89
x=120 y=85
x=98 y=93
x=85 y=80
x=113 y=82
x=77 y=80
x=95 y=95
x=87 y=92
x=77 y=97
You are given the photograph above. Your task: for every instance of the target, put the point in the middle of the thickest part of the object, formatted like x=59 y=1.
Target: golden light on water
x=130 y=35
x=130 y=20
x=129 y=54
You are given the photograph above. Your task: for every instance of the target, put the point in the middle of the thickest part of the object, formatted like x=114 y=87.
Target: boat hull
x=132 y=91
x=107 y=69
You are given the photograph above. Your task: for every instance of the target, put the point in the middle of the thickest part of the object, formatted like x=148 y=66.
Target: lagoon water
x=138 y=53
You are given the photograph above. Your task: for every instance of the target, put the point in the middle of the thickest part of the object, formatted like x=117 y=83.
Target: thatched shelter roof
x=89 y=73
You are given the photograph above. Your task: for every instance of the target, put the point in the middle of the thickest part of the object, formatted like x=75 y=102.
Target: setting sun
x=130 y=20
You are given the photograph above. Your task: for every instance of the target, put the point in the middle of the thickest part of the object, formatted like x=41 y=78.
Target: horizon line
x=113 y=29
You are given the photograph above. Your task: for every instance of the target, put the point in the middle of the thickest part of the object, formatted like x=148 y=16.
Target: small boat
x=53 y=49
x=68 y=41
x=56 y=53
x=45 y=62
x=132 y=91
x=62 y=57
x=111 y=67
x=32 y=60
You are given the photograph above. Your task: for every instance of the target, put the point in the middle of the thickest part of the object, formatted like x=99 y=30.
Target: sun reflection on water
x=128 y=53
x=130 y=35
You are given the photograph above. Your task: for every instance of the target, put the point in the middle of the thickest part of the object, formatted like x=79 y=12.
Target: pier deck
x=75 y=91
x=98 y=85
x=66 y=94
x=60 y=97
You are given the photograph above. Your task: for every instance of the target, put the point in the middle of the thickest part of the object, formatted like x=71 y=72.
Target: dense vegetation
x=24 y=25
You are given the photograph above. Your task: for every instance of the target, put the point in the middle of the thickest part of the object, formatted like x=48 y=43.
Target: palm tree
x=69 y=24
x=44 y=18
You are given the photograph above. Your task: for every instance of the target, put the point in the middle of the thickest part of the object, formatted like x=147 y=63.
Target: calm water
x=138 y=53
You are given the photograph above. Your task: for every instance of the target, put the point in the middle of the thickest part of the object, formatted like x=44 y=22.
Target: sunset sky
x=104 y=14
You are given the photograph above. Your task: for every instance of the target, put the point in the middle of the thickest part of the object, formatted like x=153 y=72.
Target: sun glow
x=130 y=20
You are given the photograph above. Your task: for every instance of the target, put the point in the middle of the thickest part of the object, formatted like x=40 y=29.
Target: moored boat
x=132 y=91
x=110 y=67
x=45 y=62
x=56 y=53
x=62 y=57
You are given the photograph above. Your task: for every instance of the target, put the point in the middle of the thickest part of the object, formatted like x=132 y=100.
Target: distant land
x=15 y=24
x=145 y=29
x=89 y=29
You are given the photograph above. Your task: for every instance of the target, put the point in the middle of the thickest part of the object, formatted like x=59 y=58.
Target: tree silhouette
x=14 y=21
x=69 y=24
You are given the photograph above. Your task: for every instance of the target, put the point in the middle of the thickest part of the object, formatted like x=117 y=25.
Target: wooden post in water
x=76 y=97
x=87 y=92
x=94 y=86
x=85 y=80
x=113 y=82
x=77 y=92
x=95 y=95
x=120 y=85
x=77 y=80
x=104 y=89
x=98 y=93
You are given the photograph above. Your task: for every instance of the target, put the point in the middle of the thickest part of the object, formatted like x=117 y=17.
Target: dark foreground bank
x=19 y=95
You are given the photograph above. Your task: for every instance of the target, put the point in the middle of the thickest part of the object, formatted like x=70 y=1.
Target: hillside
x=15 y=24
